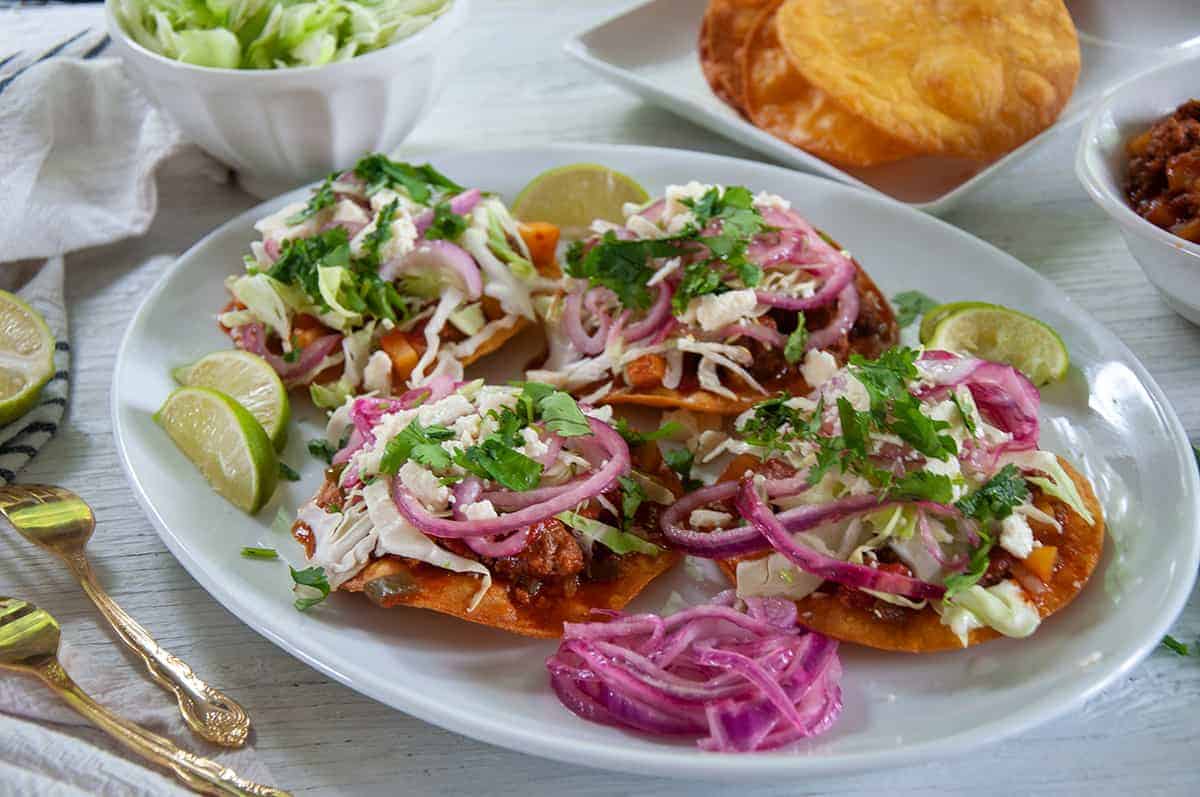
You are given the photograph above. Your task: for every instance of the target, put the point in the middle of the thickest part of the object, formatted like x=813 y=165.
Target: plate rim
x=667 y=760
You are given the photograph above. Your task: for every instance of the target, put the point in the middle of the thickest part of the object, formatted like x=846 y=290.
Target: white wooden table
x=1142 y=735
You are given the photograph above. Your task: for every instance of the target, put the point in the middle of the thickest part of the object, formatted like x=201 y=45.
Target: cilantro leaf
x=793 y=350
x=492 y=459
x=967 y=417
x=311 y=587
x=622 y=266
x=773 y=424
x=1173 y=644
x=856 y=428
x=921 y=485
x=322 y=449
x=634 y=438
x=419 y=182
x=680 y=460
x=632 y=496
x=976 y=567
x=997 y=497
x=322 y=198
x=376 y=238
x=418 y=443
x=699 y=279
x=287 y=472
x=447 y=224
x=299 y=259
x=563 y=416
x=911 y=305
x=895 y=409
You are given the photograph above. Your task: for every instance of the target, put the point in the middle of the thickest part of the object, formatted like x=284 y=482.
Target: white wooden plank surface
x=1139 y=736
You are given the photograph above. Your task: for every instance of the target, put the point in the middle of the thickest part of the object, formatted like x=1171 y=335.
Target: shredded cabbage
x=272 y=34
x=329 y=282
x=617 y=541
x=1002 y=607
x=270 y=300
x=1060 y=485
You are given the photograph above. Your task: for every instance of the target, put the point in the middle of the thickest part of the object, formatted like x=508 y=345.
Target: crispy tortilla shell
x=497 y=340
x=451 y=593
x=1079 y=548
x=868 y=339
x=722 y=36
x=780 y=100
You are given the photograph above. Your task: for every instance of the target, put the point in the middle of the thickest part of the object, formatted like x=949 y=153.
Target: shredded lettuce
x=270 y=300
x=1002 y=607
x=617 y=541
x=272 y=34
x=1059 y=485
x=330 y=396
x=329 y=282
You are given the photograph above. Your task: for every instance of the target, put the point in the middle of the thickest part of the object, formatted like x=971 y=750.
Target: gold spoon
x=29 y=640
x=61 y=522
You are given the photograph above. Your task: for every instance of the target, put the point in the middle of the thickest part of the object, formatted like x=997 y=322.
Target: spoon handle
x=198 y=773
x=210 y=713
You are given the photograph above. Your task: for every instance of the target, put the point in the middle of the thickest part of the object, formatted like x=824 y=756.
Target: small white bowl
x=1171 y=263
x=281 y=128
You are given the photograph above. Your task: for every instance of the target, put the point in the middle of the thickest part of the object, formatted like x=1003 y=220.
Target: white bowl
x=281 y=128
x=1171 y=263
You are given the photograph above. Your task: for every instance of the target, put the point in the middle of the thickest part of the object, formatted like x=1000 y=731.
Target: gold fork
x=61 y=522
x=29 y=639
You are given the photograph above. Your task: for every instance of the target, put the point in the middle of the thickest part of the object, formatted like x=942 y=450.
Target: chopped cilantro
x=287 y=472
x=680 y=460
x=997 y=497
x=260 y=553
x=632 y=496
x=921 y=485
x=635 y=438
x=976 y=566
x=856 y=428
x=967 y=417
x=911 y=305
x=773 y=425
x=895 y=409
x=699 y=279
x=311 y=587
x=1171 y=643
x=622 y=266
x=418 y=443
x=563 y=416
x=322 y=449
x=493 y=459
x=446 y=224
x=419 y=182
x=322 y=198
x=374 y=240
x=793 y=350
x=291 y=356
x=299 y=259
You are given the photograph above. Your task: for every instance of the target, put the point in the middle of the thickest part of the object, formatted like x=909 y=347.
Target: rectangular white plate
x=651 y=50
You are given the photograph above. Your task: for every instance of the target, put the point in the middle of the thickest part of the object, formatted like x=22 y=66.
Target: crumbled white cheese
x=534 y=446
x=709 y=519
x=765 y=200
x=715 y=311
x=818 y=368
x=424 y=486
x=480 y=510
x=1016 y=536
x=643 y=227
x=377 y=375
x=446 y=411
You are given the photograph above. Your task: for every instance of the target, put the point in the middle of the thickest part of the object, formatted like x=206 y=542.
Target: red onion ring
x=584 y=343
x=754 y=508
x=841 y=325
x=655 y=317
x=598 y=482
x=252 y=338
x=759 y=332
x=452 y=260
x=787 y=249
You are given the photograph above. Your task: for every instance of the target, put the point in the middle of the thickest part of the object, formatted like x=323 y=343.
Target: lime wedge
x=225 y=442
x=250 y=381
x=574 y=196
x=1004 y=335
x=932 y=317
x=26 y=356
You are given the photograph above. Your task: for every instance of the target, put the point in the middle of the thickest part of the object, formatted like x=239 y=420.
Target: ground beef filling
x=1163 y=184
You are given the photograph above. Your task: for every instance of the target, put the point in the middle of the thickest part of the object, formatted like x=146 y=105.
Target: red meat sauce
x=1163 y=182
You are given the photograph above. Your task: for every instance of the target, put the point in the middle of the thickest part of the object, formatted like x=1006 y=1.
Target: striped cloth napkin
x=79 y=147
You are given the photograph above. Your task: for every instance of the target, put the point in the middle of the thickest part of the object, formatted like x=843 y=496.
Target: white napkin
x=79 y=149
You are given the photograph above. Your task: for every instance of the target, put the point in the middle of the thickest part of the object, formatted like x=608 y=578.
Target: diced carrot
x=542 y=239
x=646 y=371
x=306 y=329
x=1041 y=561
x=402 y=352
x=738 y=467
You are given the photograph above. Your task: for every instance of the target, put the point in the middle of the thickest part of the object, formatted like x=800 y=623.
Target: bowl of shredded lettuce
x=285 y=91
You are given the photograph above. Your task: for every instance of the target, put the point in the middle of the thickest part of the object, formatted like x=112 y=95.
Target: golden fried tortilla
x=1079 y=548
x=722 y=35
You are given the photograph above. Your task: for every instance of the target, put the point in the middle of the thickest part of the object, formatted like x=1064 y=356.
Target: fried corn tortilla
x=452 y=593
x=868 y=339
x=973 y=79
x=778 y=99
x=722 y=34
x=1079 y=548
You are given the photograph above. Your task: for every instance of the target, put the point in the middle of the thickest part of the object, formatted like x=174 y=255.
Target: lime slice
x=250 y=381
x=932 y=317
x=1004 y=335
x=225 y=442
x=26 y=356
x=574 y=196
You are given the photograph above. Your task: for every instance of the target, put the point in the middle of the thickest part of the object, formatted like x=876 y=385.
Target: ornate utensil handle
x=207 y=711
x=200 y=774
